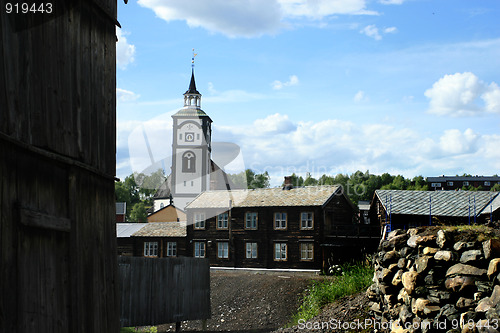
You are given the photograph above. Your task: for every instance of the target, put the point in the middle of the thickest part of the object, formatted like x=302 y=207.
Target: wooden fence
x=163 y=290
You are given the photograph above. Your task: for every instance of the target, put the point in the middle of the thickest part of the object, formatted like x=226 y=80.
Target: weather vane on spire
x=192 y=59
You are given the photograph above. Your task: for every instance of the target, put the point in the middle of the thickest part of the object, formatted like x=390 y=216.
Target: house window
x=487 y=183
x=436 y=185
x=151 y=249
x=306 y=220
x=306 y=251
x=466 y=183
x=222 y=221
x=199 y=220
x=222 y=250
x=162 y=205
x=279 y=220
x=199 y=249
x=251 y=250
x=251 y=220
x=171 y=249
x=188 y=162
x=449 y=183
x=280 y=251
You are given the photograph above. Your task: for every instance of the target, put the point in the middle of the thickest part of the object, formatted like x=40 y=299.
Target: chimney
x=288 y=183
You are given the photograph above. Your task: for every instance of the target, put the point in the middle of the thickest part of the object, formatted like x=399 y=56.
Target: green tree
x=310 y=181
x=138 y=213
x=495 y=187
x=260 y=180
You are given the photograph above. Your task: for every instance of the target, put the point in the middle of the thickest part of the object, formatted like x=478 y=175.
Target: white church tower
x=191 y=149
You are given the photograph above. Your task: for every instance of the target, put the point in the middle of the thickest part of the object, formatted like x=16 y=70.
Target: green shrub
x=355 y=278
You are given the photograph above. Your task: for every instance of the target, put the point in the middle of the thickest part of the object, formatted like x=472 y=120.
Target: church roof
x=190 y=112
x=192 y=86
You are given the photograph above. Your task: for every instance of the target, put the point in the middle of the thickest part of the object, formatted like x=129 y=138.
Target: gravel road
x=251 y=301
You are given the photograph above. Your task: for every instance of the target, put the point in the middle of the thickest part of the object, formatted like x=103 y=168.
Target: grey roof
x=364 y=205
x=493 y=205
x=266 y=197
x=162 y=229
x=121 y=208
x=442 y=203
x=127 y=229
x=463 y=178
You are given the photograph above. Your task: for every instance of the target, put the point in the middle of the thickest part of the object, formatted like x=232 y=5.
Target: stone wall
x=433 y=280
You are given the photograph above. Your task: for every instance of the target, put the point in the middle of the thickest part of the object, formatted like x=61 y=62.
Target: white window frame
x=199 y=220
x=449 y=183
x=151 y=249
x=435 y=184
x=171 y=249
x=200 y=249
x=306 y=220
x=280 y=220
x=466 y=183
x=487 y=183
x=223 y=250
x=280 y=251
x=307 y=251
x=251 y=250
x=222 y=221
x=251 y=220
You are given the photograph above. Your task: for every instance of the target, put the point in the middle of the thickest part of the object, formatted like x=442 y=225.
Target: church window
x=198 y=136
x=180 y=136
x=189 y=162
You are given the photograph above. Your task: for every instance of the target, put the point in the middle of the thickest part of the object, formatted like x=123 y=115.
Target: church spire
x=192 y=85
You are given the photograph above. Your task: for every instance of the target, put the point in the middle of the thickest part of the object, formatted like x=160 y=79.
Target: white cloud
x=463 y=94
x=391 y=30
x=293 y=80
x=454 y=142
x=371 y=31
x=251 y=18
x=391 y=2
x=274 y=124
x=360 y=97
x=125 y=52
x=317 y=9
x=123 y=95
x=247 y=18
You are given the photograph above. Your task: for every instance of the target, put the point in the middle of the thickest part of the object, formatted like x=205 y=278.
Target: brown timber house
x=289 y=228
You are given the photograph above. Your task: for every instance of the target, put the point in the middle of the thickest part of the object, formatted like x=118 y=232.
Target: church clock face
x=189 y=137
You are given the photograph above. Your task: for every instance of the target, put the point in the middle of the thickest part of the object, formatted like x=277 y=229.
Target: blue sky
x=407 y=87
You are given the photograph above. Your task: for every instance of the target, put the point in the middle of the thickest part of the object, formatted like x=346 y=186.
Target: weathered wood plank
x=163 y=290
x=32 y=218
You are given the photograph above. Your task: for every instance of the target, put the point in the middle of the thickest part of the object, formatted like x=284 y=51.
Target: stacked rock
x=425 y=281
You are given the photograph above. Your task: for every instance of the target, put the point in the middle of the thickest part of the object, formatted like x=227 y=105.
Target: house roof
x=441 y=203
x=268 y=197
x=364 y=205
x=162 y=229
x=121 y=208
x=127 y=229
x=492 y=206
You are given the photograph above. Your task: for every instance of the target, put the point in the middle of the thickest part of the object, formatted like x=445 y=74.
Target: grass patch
x=356 y=277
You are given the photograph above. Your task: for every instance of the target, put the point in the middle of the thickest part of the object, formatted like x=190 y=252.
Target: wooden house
x=450 y=183
x=125 y=243
x=268 y=228
x=168 y=213
x=58 y=267
x=406 y=209
x=121 y=212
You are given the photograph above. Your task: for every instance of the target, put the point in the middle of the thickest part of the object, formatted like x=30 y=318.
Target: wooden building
x=406 y=209
x=121 y=212
x=58 y=268
x=155 y=239
x=168 y=213
x=268 y=228
x=449 y=183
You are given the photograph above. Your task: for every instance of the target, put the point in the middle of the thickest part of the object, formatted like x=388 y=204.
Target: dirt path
x=251 y=301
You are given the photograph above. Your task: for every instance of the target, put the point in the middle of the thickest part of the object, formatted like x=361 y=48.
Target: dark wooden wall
x=58 y=270
x=159 y=291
